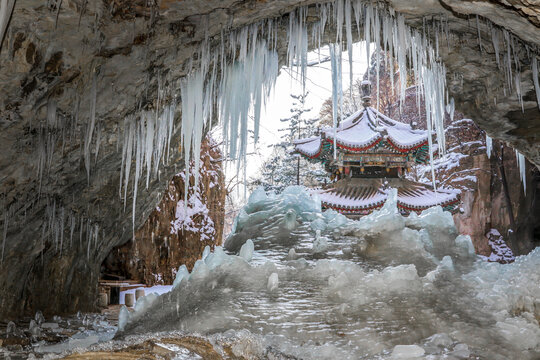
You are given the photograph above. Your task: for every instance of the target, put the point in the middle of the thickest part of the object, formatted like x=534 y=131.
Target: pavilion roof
x=351 y=197
x=363 y=130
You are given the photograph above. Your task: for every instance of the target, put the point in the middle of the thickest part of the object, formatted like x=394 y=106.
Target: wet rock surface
x=54 y=59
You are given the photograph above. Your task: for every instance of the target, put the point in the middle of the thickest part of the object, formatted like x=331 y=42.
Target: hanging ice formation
x=90 y=126
x=249 y=67
x=520 y=159
x=231 y=81
x=244 y=85
x=147 y=138
x=337 y=90
x=6 y=9
x=489 y=146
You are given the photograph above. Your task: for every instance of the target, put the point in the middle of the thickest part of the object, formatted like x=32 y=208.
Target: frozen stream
x=382 y=287
x=321 y=286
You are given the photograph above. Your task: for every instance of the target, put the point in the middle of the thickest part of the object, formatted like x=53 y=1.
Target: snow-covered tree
x=283 y=168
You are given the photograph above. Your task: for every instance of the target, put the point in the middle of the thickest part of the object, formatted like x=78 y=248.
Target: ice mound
x=384 y=287
x=276 y=216
x=273 y=282
x=246 y=251
x=320 y=244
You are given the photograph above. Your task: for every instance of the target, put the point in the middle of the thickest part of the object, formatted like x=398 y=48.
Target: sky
x=278 y=105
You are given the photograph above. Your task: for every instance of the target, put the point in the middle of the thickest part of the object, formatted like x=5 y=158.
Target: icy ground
x=315 y=285
x=320 y=286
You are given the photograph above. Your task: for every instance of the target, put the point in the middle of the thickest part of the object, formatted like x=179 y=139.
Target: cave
x=105 y=112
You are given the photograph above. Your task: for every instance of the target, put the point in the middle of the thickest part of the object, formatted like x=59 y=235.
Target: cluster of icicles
x=249 y=68
x=63 y=228
x=236 y=73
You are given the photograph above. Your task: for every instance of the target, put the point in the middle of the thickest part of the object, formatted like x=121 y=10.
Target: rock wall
x=485 y=206
x=172 y=235
x=71 y=75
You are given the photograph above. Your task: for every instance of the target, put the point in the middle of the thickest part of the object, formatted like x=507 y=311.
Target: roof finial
x=366 y=93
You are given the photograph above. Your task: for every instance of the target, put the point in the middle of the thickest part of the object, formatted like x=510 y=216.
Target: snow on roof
x=410 y=197
x=363 y=129
x=309 y=147
x=421 y=197
x=356 y=134
x=368 y=198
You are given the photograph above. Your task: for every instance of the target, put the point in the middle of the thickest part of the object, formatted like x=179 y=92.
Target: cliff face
x=489 y=198
x=175 y=235
x=488 y=205
x=75 y=75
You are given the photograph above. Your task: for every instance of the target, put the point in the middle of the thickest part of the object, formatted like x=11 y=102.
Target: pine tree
x=284 y=168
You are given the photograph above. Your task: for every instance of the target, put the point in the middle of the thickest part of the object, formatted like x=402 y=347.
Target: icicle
x=72 y=224
x=91 y=124
x=6 y=9
x=495 y=40
x=5 y=233
x=348 y=26
x=377 y=32
x=517 y=79
x=450 y=109
x=62 y=214
x=489 y=146
x=98 y=141
x=128 y=143
x=520 y=159
x=335 y=59
x=298 y=43
x=138 y=167
x=535 y=79
x=149 y=145
x=478 y=31
x=367 y=32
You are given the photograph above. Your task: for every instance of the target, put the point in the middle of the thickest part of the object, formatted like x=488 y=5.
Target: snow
x=334 y=199
x=500 y=252
x=414 y=197
x=309 y=146
x=359 y=131
x=186 y=213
